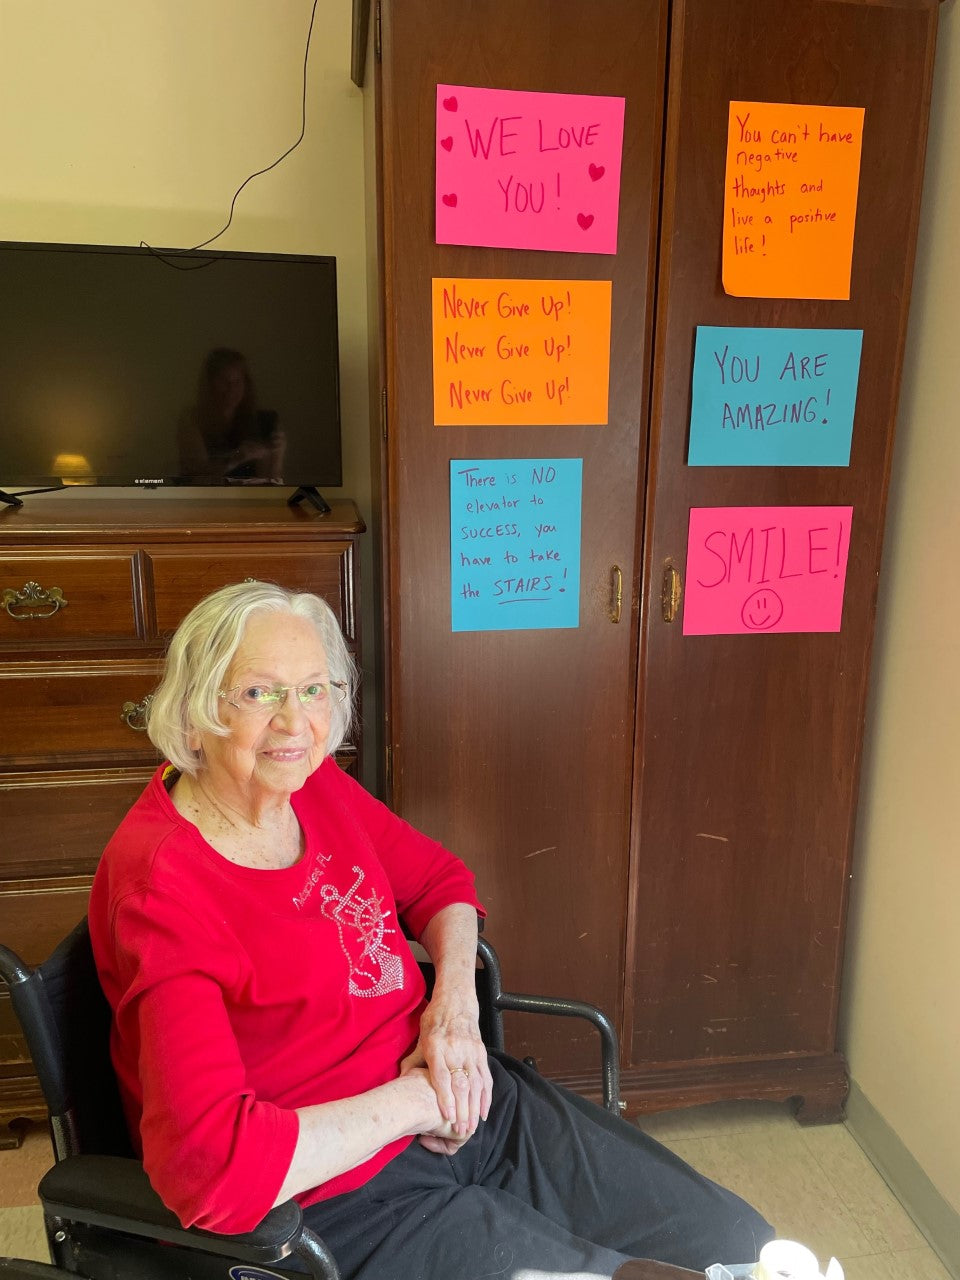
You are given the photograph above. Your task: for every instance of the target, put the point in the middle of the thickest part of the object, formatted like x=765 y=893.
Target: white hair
x=187 y=700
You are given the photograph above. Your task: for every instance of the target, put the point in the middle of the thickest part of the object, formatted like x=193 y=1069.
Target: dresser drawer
x=36 y=914
x=71 y=714
x=68 y=599
x=182 y=579
x=58 y=822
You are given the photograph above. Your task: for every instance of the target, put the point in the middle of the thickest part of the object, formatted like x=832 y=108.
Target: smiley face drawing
x=762 y=610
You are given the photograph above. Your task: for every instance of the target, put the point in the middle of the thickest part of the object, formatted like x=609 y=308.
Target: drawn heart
x=585 y=220
x=446 y=143
x=596 y=172
x=451 y=202
x=450 y=104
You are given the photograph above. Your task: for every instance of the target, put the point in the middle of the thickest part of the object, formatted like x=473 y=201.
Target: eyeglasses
x=315 y=696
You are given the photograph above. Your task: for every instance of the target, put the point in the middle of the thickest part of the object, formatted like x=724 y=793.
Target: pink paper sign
x=524 y=170
x=756 y=569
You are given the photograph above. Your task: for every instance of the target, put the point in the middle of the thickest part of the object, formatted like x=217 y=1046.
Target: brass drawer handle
x=616 y=593
x=670 y=592
x=134 y=714
x=33 y=601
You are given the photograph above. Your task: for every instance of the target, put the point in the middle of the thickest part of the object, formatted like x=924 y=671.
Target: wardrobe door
x=749 y=745
x=514 y=747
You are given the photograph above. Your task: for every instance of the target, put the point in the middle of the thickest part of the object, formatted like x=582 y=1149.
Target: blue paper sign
x=515 y=543
x=774 y=397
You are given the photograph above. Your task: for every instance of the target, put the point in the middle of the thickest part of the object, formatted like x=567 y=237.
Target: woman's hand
x=441 y=1146
x=336 y=1136
x=454 y=1054
x=450 y=1043
x=439 y=1138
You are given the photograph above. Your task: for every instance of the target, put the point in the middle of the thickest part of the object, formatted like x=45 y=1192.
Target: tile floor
x=21 y=1222
x=814 y=1184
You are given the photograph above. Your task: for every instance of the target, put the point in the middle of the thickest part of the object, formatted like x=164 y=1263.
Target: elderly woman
x=271 y=1034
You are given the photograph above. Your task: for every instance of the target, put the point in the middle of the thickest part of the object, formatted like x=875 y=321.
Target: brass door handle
x=616 y=594
x=134 y=714
x=33 y=601
x=670 y=592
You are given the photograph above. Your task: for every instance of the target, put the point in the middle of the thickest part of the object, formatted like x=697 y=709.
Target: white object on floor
x=787 y=1260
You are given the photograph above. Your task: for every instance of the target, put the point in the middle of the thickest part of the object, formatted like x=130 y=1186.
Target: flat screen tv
x=123 y=366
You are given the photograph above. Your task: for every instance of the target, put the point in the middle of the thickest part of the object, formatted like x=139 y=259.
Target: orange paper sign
x=520 y=352
x=790 y=201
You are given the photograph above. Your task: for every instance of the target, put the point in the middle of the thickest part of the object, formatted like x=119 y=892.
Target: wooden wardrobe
x=659 y=823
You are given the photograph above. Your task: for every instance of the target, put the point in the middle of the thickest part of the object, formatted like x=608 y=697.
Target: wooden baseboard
x=935 y=1217
x=20 y=1100
x=817 y=1083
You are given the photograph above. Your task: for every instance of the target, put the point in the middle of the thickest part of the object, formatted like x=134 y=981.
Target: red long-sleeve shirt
x=241 y=994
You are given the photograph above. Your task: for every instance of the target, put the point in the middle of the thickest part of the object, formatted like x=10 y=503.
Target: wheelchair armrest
x=513 y=1001
x=114 y=1192
x=496 y=1000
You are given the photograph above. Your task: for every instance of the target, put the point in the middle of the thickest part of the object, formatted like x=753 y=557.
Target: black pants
x=549 y=1185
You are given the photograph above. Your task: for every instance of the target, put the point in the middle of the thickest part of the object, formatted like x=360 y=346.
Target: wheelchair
x=102 y=1218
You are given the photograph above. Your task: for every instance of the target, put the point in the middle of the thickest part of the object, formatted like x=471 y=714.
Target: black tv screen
x=123 y=366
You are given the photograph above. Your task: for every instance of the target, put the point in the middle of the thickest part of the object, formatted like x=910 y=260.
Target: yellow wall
x=902 y=1016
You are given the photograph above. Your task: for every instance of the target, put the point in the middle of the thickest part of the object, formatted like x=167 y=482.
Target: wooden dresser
x=90 y=592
